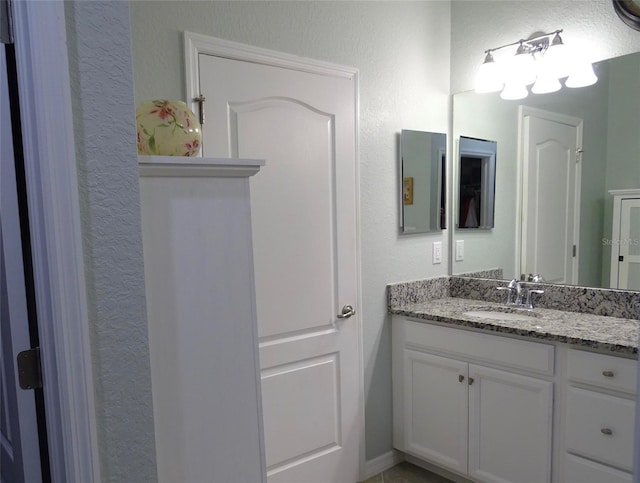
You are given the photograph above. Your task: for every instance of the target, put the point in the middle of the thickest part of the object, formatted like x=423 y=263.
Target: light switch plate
x=459 y=250
x=437 y=253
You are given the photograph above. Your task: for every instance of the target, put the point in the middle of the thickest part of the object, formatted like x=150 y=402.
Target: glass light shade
x=489 y=76
x=582 y=75
x=545 y=84
x=558 y=58
x=513 y=91
x=521 y=69
x=547 y=80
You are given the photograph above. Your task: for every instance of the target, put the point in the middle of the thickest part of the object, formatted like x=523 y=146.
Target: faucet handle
x=529 y=300
x=511 y=289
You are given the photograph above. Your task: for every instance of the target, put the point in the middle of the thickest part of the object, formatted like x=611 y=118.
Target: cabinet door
x=436 y=409
x=580 y=470
x=510 y=418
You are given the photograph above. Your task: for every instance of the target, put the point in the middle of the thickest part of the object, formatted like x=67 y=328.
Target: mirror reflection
x=555 y=215
x=422 y=166
x=477 y=181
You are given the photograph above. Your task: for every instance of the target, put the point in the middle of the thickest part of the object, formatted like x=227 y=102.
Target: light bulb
x=489 y=78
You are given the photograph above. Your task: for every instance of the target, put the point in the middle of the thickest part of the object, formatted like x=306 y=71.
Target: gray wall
x=402 y=52
x=103 y=108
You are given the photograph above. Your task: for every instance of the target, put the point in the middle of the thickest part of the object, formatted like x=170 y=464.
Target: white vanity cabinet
x=473 y=403
x=599 y=418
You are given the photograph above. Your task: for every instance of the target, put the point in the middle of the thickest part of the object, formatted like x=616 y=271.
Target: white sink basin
x=496 y=315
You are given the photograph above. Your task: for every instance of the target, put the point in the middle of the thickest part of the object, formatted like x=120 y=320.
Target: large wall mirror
x=423 y=158
x=559 y=213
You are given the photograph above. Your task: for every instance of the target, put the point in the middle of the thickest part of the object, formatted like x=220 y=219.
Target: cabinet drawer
x=600 y=427
x=601 y=370
x=579 y=470
x=518 y=354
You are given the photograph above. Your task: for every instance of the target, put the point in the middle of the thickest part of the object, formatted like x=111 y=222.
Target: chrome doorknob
x=347 y=311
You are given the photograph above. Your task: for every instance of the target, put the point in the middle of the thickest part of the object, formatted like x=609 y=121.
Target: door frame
x=196 y=44
x=55 y=225
x=524 y=111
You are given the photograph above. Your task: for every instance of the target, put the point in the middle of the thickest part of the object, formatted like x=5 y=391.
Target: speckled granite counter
x=596 y=326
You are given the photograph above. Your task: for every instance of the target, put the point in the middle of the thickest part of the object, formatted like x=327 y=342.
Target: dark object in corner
x=629 y=12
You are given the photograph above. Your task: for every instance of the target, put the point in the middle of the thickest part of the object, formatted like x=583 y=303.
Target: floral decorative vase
x=167 y=128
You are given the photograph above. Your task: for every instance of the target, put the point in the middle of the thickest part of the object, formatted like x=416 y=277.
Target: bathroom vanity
x=496 y=393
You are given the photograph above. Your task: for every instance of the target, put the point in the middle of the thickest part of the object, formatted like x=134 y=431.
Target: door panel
x=304 y=237
x=301 y=193
x=550 y=189
x=303 y=424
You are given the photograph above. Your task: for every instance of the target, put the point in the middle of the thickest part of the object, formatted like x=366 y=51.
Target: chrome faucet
x=514 y=287
x=519 y=295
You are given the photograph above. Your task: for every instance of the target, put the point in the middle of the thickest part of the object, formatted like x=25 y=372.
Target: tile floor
x=407 y=473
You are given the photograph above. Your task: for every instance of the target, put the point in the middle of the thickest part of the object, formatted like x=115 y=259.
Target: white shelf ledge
x=184 y=166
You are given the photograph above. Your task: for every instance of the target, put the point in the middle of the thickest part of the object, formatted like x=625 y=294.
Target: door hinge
x=200 y=100
x=6 y=23
x=30 y=369
x=579 y=152
x=621 y=258
x=575 y=249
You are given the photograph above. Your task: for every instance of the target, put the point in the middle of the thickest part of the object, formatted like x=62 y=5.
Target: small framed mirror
x=476 y=183
x=423 y=158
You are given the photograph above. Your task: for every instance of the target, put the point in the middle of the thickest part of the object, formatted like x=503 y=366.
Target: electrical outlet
x=459 y=250
x=437 y=253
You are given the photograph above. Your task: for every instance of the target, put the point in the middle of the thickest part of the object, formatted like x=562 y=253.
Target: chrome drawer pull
x=606 y=431
x=607 y=373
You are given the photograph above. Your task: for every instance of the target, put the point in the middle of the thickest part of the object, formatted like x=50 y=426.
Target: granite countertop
x=601 y=333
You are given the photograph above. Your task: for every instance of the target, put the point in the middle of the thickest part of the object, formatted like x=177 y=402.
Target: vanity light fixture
x=540 y=61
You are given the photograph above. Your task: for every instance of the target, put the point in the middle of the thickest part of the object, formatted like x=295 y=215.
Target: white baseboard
x=382 y=463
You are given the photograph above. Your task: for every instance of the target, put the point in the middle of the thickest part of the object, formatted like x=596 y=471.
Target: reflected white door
x=19 y=448
x=551 y=190
x=303 y=206
x=629 y=245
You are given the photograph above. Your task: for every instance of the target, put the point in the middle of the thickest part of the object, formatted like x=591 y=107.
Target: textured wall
x=402 y=52
x=102 y=87
x=591 y=24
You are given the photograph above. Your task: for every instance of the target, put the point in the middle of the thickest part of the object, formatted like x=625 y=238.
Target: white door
x=19 y=448
x=436 y=409
x=629 y=245
x=551 y=193
x=510 y=418
x=303 y=208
